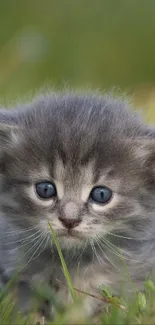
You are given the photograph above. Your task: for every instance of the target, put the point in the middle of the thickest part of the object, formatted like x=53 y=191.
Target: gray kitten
x=86 y=164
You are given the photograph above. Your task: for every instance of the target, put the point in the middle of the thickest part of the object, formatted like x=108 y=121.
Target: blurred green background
x=105 y=44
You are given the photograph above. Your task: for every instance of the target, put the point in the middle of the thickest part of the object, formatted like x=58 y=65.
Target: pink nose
x=69 y=223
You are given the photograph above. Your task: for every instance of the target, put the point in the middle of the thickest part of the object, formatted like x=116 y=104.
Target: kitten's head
x=83 y=163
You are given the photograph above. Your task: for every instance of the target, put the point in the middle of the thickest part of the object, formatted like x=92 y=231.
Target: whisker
x=124 y=237
x=33 y=246
x=33 y=255
x=95 y=252
x=23 y=239
x=45 y=239
x=97 y=241
x=82 y=252
x=107 y=245
x=16 y=232
x=114 y=249
x=26 y=242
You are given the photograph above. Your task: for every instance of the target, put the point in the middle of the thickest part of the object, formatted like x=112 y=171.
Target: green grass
x=139 y=311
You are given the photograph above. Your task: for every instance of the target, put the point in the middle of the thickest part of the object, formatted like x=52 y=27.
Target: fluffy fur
x=77 y=142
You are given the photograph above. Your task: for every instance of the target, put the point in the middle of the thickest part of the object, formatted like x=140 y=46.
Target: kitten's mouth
x=70 y=233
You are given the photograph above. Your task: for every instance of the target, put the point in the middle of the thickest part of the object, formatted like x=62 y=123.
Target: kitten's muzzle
x=69 y=215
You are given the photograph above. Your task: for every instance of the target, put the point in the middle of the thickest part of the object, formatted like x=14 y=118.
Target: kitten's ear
x=8 y=134
x=144 y=151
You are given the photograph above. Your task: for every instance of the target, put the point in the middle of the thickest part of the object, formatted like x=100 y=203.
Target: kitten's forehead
x=77 y=183
x=69 y=175
x=83 y=178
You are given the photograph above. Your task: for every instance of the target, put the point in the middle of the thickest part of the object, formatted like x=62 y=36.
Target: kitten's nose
x=70 y=215
x=69 y=223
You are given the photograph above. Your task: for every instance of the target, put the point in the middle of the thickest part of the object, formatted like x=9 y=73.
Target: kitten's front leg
x=25 y=299
x=25 y=303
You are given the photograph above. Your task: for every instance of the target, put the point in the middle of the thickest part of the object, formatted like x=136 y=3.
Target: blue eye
x=101 y=194
x=46 y=190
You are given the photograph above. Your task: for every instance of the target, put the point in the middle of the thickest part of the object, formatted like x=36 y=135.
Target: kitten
x=84 y=163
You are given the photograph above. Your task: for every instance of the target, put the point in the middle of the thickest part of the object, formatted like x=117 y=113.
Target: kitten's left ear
x=144 y=151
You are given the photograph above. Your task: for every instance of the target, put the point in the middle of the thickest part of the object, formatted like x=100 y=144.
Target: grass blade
x=64 y=266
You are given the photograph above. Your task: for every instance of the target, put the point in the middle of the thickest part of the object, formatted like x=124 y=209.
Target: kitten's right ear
x=9 y=138
x=8 y=134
